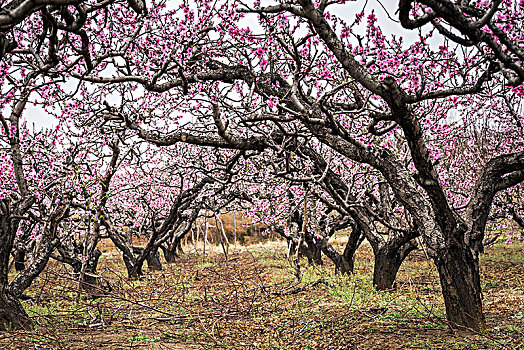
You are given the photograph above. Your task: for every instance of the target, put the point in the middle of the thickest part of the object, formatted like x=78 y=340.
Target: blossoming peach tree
x=42 y=169
x=356 y=105
x=308 y=75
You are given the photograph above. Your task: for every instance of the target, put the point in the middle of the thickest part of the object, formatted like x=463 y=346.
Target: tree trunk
x=134 y=271
x=153 y=261
x=91 y=282
x=124 y=244
x=312 y=253
x=170 y=254
x=152 y=258
x=387 y=263
x=348 y=257
x=344 y=263
x=172 y=250
x=19 y=258
x=12 y=314
x=179 y=245
x=386 y=269
x=311 y=250
x=460 y=280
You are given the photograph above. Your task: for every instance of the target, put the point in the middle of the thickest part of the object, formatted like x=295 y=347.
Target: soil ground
x=254 y=301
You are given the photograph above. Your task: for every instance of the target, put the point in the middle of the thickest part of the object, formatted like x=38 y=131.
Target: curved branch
x=498 y=174
x=408 y=23
x=17 y=10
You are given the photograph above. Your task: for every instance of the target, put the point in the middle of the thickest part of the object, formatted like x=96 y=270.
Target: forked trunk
x=385 y=270
x=152 y=258
x=153 y=261
x=387 y=263
x=171 y=251
x=91 y=282
x=134 y=271
x=170 y=254
x=460 y=280
x=345 y=262
x=307 y=249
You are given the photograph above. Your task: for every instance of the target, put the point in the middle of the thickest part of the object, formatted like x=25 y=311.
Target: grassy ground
x=254 y=302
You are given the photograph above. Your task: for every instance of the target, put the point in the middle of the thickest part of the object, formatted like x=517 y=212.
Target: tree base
x=12 y=314
x=460 y=281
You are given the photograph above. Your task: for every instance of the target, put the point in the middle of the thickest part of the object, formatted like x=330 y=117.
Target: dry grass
x=253 y=302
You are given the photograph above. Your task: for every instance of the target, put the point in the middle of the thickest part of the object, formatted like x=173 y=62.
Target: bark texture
x=12 y=314
x=387 y=263
x=460 y=280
